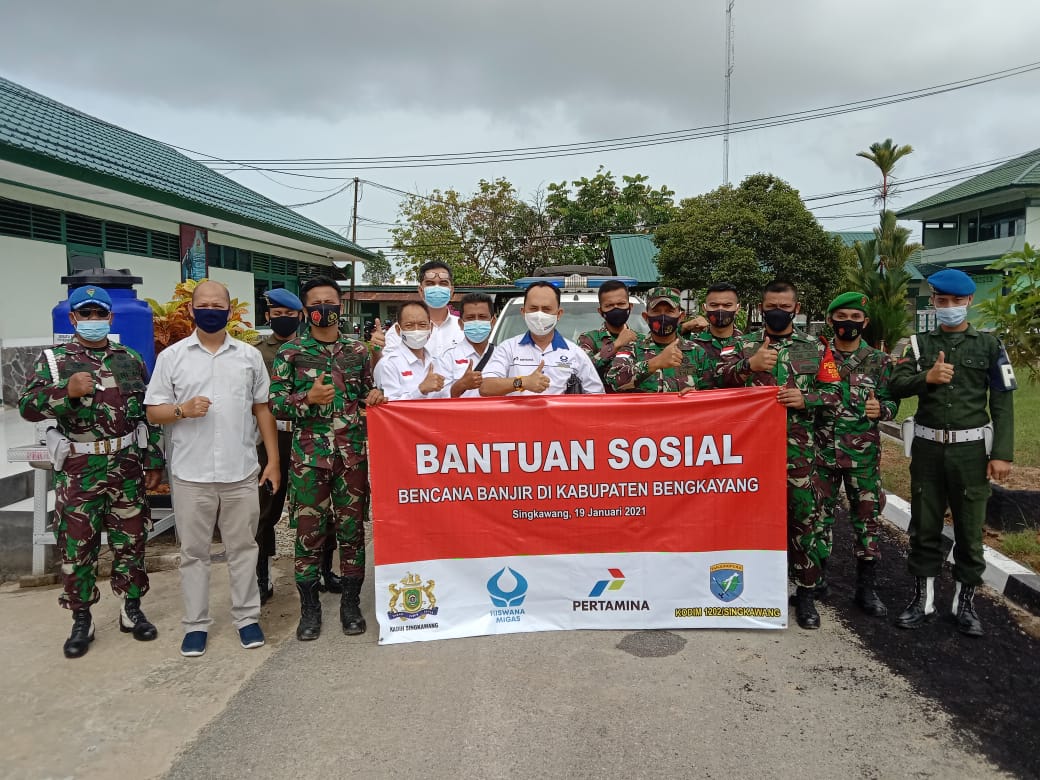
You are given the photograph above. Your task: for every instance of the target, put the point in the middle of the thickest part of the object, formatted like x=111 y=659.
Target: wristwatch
x=518 y=383
x=177 y=412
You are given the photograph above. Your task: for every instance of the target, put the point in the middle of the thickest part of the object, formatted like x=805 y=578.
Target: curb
x=1009 y=578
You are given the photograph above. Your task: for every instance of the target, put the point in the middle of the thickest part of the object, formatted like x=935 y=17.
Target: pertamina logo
x=596 y=603
x=726 y=581
x=412 y=600
x=507 y=603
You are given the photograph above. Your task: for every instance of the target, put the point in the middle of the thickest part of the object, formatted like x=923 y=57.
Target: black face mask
x=847 y=330
x=721 y=318
x=285 y=326
x=663 y=324
x=777 y=319
x=324 y=315
x=615 y=318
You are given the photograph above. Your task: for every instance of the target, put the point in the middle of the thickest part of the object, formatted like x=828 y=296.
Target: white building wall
x=159 y=277
x=240 y=284
x=33 y=271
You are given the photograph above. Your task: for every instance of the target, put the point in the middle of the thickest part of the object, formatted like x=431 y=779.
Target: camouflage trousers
x=866 y=500
x=323 y=501
x=95 y=493
x=804 y=545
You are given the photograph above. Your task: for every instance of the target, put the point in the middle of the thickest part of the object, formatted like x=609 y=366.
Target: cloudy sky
x=260 y=79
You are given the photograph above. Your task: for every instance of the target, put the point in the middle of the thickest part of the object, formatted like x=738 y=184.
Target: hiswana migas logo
x=613 y=584
x=507 y=603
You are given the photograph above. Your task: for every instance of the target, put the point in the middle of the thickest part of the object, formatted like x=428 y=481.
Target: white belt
x=948 y=437
x=102 y=446
x=283 y=425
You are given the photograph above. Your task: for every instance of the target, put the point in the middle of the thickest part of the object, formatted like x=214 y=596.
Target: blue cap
x=950 y=281
x=279 y=296
x=90 y=294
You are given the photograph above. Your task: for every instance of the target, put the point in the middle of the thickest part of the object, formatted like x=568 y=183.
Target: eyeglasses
x=90 y=313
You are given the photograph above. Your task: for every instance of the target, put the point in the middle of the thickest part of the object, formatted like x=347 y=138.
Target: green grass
x=1027 y=419
x=1023 y=546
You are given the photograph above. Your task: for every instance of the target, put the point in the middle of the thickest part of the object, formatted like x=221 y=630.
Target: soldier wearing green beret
x=962 y=436
x=848 y=444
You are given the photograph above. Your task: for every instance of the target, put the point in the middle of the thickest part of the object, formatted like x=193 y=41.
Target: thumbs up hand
x=537 y=382
x=872 y=408
x=941 y=373
x=764 y=359
x=470 y=380
x=378 y=337
x=432 y=382
x=320 y=392
x=669 y=357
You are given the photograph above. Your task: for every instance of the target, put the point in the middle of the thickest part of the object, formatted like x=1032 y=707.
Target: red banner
x=554 y=475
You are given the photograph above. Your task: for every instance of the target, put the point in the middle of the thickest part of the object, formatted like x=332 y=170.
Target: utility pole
x=729 y=74
x=353 y=263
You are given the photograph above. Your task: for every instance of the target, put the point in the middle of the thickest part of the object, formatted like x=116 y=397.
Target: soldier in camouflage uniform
x=94 y=389
x=662 y=361
x=320 y=380
x=848 y=444
x=804 y=370
x=719 y=338
x=602 y=344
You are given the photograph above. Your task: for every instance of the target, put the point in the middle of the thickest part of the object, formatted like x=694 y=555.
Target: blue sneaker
x=251 y=636
x=194 y=644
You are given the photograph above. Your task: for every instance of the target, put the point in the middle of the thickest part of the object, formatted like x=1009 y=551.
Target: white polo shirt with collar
x=452 y=365
x=520 y=356
x=400 y=373
x=221 y=446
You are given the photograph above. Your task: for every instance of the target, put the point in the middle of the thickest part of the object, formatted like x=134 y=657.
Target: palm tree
x=880 y=273
x=885 y=156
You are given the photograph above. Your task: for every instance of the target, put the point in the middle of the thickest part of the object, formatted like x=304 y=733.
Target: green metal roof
x=41 y=133
x=1023 y=172
x=850 y=237
x=635 y=254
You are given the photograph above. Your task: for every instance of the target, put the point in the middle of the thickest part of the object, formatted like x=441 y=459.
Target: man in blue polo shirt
x=540 y=361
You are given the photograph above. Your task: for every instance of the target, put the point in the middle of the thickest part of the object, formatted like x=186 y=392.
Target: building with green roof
x=971 y=224
x=635 y=255
x=78 y=192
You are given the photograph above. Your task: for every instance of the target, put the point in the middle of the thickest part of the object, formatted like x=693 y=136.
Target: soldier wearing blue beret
x=962 y=436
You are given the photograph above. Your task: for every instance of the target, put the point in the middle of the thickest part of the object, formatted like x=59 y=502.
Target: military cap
x=90 y=295
x=849 y=300
x=950 y=281
x=279 y=296
x=659 y=294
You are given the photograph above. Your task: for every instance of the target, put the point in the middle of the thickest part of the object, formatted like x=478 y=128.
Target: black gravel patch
x=989 y=685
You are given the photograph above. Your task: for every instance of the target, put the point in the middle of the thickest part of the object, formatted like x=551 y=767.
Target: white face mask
x=415 y=339
x=540 y=323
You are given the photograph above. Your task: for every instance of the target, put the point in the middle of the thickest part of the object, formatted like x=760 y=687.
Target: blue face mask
x=437 y=297
x=211 y=320
x=477 y=331
x=952 y=316
x=93 y=330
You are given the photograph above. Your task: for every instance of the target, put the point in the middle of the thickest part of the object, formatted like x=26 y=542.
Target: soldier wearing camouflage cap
x=848 y=444
x=106 y=457
x=661 y=361
x=962 y=437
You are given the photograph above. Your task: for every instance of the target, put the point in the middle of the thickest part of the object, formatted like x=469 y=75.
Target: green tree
x=885 y=155
x=749 y=235
x=1016 y=311
x=379 y=270
x=880 y=272
x=584 y=213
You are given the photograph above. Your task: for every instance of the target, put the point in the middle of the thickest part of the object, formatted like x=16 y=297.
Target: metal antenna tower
x=729 y=74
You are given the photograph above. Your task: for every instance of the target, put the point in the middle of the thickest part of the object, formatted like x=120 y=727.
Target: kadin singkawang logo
x=726 y=581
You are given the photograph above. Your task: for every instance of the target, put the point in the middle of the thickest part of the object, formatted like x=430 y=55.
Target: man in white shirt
x=409 y=372
x=211 y=391
x=436 y=288
x=540 y=361
x=462 y=365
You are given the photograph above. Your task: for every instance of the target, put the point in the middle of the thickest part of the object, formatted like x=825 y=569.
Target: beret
x=849 y=300
x=279 y=296
x=950 y=281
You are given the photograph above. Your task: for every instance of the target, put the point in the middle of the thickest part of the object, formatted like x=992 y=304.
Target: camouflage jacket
x=802 y=360
x=715 y=349
x=599 y=346
x=321 y=433
x=844 y=435
x=114 y=408
x=630 y=370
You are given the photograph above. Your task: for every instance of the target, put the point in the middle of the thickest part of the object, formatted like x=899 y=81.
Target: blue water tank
x=132 y=322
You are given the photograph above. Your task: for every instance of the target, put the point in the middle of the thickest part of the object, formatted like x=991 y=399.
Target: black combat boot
x=132 y=619
x=82 y=634
x=350 y=606
x=968 y=622
x=310 y=612
x=922 y=608
x=823 y=588
x=866 y=597
x=805 y=608
x=330 y=582
x=263 y=578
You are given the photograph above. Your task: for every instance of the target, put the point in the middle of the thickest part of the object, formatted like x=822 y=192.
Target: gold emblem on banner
x=411 y=599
